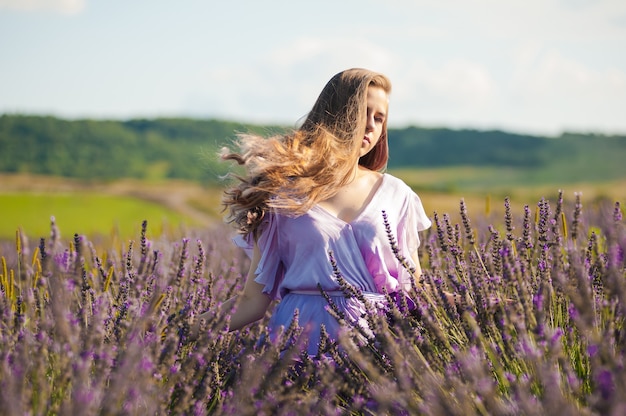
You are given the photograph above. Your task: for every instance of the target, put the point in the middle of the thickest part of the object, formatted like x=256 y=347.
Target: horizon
x=284 y=125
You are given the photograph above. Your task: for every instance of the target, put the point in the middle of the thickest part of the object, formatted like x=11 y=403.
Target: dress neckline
x=363 y=209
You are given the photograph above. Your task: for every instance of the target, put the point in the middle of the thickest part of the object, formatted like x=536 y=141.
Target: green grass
x=83 y=213
x=471 y=178
x=454 y=179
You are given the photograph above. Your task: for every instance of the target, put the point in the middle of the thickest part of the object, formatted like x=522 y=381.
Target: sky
x=527 y=66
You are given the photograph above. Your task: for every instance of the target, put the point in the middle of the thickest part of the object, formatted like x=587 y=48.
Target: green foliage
x=423 y=147
x=91 y=214
x=89 y=149
x=187 y=149
x=565 y=159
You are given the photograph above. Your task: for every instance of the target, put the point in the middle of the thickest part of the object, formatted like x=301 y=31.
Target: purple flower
x=174 y=368
x=617 y=212
x=510 y=377
x=604 y=380
x=146 y=364
x=558 y=333
x=538 y=301
x=541 y=265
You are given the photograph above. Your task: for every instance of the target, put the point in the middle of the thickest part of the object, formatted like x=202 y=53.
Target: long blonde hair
x=292 y=172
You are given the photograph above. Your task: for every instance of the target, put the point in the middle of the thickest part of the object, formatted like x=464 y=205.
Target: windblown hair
x=292 y=172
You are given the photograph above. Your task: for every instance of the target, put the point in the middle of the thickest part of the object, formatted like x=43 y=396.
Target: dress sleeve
x=413 y=221
x=269 y=272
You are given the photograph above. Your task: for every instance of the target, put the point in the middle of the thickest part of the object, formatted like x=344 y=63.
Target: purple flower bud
x=174 y=368
x=617 y=213
x=558 y=332
x=541 y=265
x=510 y=377
x=604 y=380
x=538 y=301
x=146 y=364
x=592 y=350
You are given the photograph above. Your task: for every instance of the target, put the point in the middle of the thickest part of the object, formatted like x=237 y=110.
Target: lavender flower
x=85 y=327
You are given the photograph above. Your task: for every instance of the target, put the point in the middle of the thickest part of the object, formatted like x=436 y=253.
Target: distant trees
x=89 y=149
x=186 y=148
x=443 y=147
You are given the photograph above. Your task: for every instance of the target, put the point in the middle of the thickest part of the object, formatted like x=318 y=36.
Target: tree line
x=184 y=148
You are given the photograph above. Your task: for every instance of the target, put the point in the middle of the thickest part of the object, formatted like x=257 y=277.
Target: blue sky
x=531 y=66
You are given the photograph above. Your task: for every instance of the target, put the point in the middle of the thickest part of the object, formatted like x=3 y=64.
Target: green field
x=119 y=207
x=83 y=213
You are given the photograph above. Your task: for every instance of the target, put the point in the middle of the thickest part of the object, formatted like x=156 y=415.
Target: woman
x=317 y=192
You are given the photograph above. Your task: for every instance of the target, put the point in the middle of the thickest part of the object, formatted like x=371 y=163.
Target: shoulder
x=407 y=205
x=369 y=177
x=397 y=190
x=395 y=184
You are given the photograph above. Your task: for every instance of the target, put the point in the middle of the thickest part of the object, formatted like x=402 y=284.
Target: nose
x=370 y=123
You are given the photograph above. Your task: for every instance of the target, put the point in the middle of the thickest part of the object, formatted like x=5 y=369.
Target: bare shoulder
x=369 y=177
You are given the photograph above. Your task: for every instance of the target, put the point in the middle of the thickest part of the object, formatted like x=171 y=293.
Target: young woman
x=320 y=192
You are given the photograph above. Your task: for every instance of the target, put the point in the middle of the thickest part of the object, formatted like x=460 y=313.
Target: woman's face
x=377 y=104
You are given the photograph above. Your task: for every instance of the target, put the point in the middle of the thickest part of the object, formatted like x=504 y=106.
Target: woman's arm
x=250 y=305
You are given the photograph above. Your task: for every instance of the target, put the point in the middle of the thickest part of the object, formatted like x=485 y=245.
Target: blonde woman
x=319 y=190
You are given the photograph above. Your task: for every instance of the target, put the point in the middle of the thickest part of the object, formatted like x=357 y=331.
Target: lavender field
x=539 y=327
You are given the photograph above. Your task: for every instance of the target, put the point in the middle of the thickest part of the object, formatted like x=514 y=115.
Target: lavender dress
x=294 y=257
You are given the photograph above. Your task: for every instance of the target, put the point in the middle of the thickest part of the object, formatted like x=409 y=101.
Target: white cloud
x=571 y=94
x=528 y=65
x=283 y=85
x=332 y=53
x=540 y=90
x=456 y=82
x=60 y=6
x=532 y=19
